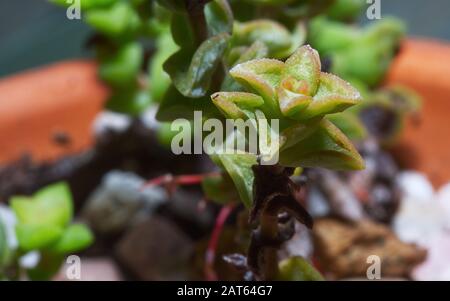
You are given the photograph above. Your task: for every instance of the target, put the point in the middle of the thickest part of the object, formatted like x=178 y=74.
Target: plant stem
x=269 y=258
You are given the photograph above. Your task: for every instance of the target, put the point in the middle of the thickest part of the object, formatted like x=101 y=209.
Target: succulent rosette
x=298 y=94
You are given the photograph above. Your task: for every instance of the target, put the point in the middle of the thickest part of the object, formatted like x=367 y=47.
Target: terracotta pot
x=424 y=65
x=37 y=107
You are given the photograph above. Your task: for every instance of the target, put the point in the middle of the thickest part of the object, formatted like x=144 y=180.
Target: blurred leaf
x=272 y=34
x=346 y=10
x=132 y=102
x=48 y=266
x=35 y=237
x=159 y=79
x=114 y=21
x=4 y=248
x=220 y=189
x=349 y=124
x=298 y=269
x=51 y=206
x=122 y=68
x=75 y=238
x=86 y=4
x=219 y=17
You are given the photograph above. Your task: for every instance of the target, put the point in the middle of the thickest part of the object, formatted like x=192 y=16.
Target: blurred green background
x=35 y=32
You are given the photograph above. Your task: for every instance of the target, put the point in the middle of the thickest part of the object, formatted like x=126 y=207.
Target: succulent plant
x=44 y=225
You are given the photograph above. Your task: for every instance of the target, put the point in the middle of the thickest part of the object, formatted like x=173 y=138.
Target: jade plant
x=247 y=59
x=43 y=225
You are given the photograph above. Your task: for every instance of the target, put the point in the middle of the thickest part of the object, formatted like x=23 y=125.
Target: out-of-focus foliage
x=298 y=269
x=357 y=55
x=44 y=225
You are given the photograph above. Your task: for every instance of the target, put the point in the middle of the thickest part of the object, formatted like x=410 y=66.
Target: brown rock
x=156 y=249
x=342 y=249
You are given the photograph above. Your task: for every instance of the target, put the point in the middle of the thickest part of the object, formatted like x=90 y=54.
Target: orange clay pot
x=424 y=65
x=65 y=98
x=38 y=106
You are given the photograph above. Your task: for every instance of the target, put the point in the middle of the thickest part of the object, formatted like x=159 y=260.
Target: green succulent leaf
x=261 y=76
x=121 y=69
x=75 y=238
x=159 y=79
x=192 y=77
x=346 y=10
x=327 y=147
x=298 y=269
x=230 y=103
x=239 y=167
x=349 y=124
x=114 y=21
x=275 y=36
x=219 y=17
x=132 y=102
x=35 y=237
x=51 y=206
x=240 y=55
x=333 y=95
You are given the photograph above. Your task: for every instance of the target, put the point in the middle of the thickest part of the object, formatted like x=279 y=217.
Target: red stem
x=178 y=180
x=210 y=254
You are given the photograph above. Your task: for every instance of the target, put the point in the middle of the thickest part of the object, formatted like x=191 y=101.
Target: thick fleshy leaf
x=333 y=95
x=239 y=167
x=240 y=55
x=298 y=269
x=159 y=79
x=304 y=65
x=182 y=32
x=349 y=124
x=75 y=238
x=262 y=76
x=132 y=102
x=232 y=103
x=192 y=75
x=327 y=147
x=35 y=237
x=51 y=205
x=272 y=34
x=219 y=17
x=291 y=103
x=121 y=69
x=114 y=21
x=297 y=132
